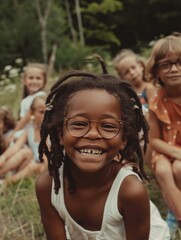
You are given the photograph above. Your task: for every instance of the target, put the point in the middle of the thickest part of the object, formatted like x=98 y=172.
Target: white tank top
x=112 y=223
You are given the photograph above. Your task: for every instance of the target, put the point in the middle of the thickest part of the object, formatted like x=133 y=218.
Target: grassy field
x=19 y=214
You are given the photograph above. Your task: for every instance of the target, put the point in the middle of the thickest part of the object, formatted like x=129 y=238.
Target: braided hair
x=57 y=105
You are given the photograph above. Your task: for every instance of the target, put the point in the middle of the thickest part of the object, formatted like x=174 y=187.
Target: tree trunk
x=79 y=19
x=52 y=60
x=70 y=22
x=43 y=23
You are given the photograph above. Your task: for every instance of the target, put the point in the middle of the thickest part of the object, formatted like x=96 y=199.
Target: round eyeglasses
x=78 y=126
x=166 y=66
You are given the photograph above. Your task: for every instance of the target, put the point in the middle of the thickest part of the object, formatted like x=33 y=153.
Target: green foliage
x=100 y=21
x=21 y=32
x=108 y=25
x=104 y=7
x=57 y=27
x=18 y=28
x=70 y=56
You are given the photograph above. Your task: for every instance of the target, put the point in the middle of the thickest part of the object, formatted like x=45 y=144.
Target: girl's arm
x=53 y=224
x=23 y=121
x=134 y=206
x=20 y=125
x=11 y=150
x=156 y=141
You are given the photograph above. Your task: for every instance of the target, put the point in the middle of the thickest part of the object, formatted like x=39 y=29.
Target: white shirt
x=112 y=223
x=27 y=101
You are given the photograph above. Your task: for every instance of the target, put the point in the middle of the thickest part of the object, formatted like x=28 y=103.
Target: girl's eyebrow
x=86 y=115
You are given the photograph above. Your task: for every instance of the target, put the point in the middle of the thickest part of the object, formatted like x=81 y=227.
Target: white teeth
x=86 y=151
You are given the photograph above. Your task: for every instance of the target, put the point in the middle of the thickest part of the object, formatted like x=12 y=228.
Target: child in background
x=26 y=167
x=34 y=81
x=131 y=68
x=164 y=66
x=2 y=143
x=7 y=123
x=90 y=122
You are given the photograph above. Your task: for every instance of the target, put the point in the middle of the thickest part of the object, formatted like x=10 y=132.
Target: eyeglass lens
x=165 y=67
x=107 y=128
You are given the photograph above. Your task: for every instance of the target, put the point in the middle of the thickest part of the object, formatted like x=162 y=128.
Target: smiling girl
x=92 y=120
x=164 y=65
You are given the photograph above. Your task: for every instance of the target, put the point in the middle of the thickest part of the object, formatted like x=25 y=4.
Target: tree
x=79 y=20
x=43 y=18
x=100 y=20
x=70 y=22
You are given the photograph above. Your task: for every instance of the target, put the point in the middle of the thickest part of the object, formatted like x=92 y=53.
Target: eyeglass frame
x=170 y=64
x=66 y=119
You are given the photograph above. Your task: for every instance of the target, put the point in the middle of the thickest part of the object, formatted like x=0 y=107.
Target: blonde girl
x=34 y=81
x=131 y=67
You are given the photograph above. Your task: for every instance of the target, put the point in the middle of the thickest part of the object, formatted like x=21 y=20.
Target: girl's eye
x=179 y=63
x=125 y=73
x=109 y=126
x=79 y=124
x=164 y=65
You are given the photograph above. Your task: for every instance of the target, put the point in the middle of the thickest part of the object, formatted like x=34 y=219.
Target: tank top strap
x=112 y=200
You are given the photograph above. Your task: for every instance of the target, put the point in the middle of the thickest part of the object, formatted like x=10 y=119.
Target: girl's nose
x=93 y=131
x=131 y=72
x=174 y=67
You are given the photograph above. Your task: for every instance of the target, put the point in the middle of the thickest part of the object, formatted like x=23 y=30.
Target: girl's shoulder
x=150 y=89
x=149 y=85
x=132 y=192
x=43 y=183
x=131 y=185
x=30 y=97
x=129 y=182
x=39 y=93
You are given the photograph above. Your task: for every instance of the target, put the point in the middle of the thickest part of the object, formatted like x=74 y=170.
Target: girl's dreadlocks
x=57 y=105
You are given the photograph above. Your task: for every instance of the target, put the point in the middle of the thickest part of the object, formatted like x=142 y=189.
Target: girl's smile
x=34 y=80
x=92 y=151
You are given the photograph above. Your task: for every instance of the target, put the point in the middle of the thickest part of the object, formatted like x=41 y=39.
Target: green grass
x=19 y=212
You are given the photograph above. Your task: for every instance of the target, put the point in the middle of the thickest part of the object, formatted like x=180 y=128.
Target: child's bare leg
x=18 y=161
x=28 y=156
x=164 y=174
x=176 y=166
x=31 y=169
